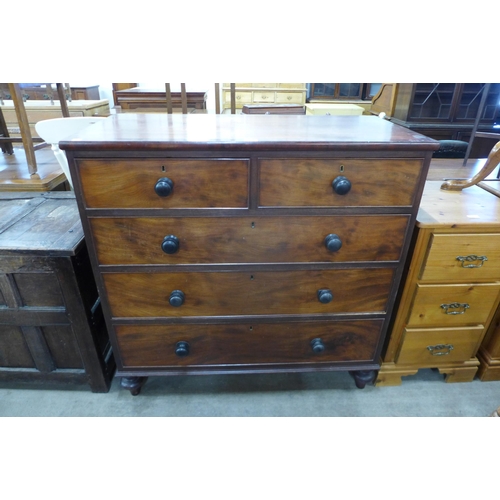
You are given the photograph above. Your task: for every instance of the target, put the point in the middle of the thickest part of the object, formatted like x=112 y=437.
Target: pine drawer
x=431 y=347
x=462 y=258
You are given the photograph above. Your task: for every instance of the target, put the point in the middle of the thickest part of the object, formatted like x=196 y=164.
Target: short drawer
x=338 y=182
x=432 y=347
x=453 y=305
x=289 y=97
x=240 y=97
x=240 y=344
x=248 y=293
x=462 y=257
x=258 y=96
x=141 y=183
x=204 y=240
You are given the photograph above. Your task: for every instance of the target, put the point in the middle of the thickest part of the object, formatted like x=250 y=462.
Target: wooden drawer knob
x=170 y=244
x=176 y=298
x=164 y=186
x=317 y=346
x=333 y=243
x=182 y=349
x=325 y=296
x=341 y=185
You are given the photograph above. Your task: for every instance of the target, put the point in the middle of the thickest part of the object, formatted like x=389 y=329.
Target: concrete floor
x=283 y=395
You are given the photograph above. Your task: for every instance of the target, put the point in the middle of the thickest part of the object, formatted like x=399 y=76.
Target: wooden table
x=139 y=98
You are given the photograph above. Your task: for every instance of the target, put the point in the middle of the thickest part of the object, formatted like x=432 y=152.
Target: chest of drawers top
x=218 y=133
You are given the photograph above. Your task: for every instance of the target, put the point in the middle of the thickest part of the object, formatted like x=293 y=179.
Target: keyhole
x=251 y=277
x=341 y=168
x=163 y=168
x=252 y=225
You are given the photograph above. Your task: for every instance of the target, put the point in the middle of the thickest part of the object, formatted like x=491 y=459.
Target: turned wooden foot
x=363 y=377
x=133 y=384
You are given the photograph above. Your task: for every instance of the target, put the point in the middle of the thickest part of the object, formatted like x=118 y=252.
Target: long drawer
x=135 y=183
x=304 y=342
x=248 y=293
x=287 y=182
x=203 y=240
x=453 y=305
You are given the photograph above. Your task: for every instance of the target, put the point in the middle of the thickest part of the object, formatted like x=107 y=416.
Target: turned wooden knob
x=333 y=243
x=325 y=296
x=317 y=345
x=182 y=349
x=170 y=244
x=176 y=298
x=164 y=187
x=341 y=185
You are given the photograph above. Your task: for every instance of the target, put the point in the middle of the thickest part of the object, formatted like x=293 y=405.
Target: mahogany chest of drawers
x=241 y=244
x=452 y=289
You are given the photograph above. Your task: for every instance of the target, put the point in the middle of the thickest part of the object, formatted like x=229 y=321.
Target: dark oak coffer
x=51 y=324
x=245 y=244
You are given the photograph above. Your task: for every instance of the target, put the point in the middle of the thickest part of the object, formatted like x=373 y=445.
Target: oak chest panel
x=247 y=243
x=51 y=323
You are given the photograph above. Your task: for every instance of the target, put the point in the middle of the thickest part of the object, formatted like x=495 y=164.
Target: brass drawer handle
x=439 y=349
x=455 y=308
x=473 y=258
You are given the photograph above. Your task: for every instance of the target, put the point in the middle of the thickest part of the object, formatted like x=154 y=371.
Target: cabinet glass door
x=470 y=99
x=432 y=101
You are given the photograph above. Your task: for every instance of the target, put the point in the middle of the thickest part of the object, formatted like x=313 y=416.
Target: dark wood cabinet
x=247 y=244
x=447 y=111
x=51 y=324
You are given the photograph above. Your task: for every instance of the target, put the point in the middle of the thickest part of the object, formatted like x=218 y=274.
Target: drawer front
x=196 y=183
x=155 y=346
x=203 y=240
x=449 y=305
x=263 y=96
x=432 y=347
x=289 y=97
x=241 y=293
x=462 y=257
x=309 y=182
x=240 y=97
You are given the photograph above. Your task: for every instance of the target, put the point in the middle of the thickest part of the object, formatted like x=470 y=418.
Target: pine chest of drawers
x=240 y=244
x=452 y=288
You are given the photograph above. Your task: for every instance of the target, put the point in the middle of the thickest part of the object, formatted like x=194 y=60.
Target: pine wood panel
x=205 y=240
x=247 y=343
x=253 y=293
x=308 y=182
x=196 y=183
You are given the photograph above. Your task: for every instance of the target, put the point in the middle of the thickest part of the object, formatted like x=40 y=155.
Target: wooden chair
x=24 y=128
